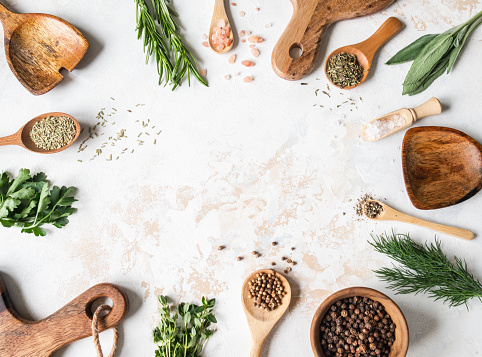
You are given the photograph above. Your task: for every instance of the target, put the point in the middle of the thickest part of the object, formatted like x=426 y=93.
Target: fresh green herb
x=343 y=70
x=433 y=54
x=174 y=60
x=184 y=338
x=28 y=202
x=425 y=269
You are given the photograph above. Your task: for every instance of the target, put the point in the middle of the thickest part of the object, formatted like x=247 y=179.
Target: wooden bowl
x=399 y=347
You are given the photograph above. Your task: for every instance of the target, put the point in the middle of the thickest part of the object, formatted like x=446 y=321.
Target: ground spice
x=361 y=203
x=372 y=209
x=53 y=132
x=267 y=291
x=343 y=70
x=357 y=326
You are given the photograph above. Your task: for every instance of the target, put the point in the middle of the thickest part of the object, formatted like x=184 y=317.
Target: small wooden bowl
x=399 y=347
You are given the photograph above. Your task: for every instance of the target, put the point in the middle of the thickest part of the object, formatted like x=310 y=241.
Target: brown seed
x=239 y=259
x=274 y=244
x=221 y=247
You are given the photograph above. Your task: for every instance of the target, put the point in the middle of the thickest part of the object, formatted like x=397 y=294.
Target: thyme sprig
x=187 y=337
x=425 y=269
x=173 y=58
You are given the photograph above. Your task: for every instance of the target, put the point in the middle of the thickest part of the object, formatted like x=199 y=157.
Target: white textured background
x=239 y=165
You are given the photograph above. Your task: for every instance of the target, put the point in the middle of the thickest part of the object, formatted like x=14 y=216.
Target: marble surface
x=235 y=164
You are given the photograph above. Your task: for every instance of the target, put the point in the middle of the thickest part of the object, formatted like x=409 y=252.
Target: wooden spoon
x=261 y=322
x=365 y=51
x=410 y=116
x=220 y=18
x=37 y=46
x=441 y=166
x=390 y=214
x=20 y=337
x=22 y=137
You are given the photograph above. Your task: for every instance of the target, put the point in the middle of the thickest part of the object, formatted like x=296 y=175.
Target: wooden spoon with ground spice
x=61 y=136
x=377 y=210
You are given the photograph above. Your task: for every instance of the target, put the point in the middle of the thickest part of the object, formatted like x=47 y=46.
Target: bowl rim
x=364 y=292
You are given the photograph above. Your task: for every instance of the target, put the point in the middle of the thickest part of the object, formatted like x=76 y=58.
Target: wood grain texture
x=365 y=51
x=306 y=30
x=399 y=347
x=20 y=337
x=390 y=214
x=441 y=166
x=37 y=46
x=22 y=137
x=261 y=322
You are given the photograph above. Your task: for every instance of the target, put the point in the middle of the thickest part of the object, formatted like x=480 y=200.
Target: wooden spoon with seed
x=390 y=214
x=37 y=46
x=260 y=321
x=22 y=137
x=220 y=18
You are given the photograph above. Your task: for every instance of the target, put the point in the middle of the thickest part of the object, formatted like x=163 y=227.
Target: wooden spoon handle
x=456 y=232
x=386 y=31
x=13 y=139
x=256 y=349
x=430 y=107
x=9 y=20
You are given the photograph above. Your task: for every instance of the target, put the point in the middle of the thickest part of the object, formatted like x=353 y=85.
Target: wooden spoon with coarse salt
x=377 y=210
x=220 y=22
x=260 y=321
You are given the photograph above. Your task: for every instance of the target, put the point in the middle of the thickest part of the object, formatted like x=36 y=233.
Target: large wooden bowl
x=400 y=345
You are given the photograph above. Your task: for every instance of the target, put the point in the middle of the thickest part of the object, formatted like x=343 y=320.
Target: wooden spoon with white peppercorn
x=22 y=137
x=262 y=321
x=377 y=210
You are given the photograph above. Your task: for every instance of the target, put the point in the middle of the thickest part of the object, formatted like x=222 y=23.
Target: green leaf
x=44 y=200
x=61 y=222
x=25 y=212
x=66 y=200
x=6 y=223
x=211 y=318
x=24 y=194
x=35 y=230
x=8 y=206
x=23 y=175
x=40 y=177
x=410 y=52
x=428 y=59
x=436 y=72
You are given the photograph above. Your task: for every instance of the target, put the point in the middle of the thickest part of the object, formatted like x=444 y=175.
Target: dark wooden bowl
x=441 y=166
x=399 y=347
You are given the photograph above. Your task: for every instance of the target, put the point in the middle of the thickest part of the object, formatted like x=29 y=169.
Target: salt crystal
x=268 y=25
x=242 y=13
x=384 y=126
x=227 y=77
x=204 y=36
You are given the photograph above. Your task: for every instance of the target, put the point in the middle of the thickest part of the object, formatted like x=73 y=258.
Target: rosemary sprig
x=425 y=269
x=174 y=60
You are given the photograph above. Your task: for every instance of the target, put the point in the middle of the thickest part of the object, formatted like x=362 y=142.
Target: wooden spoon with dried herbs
x=46 y=134
x=425 y=269
x=433 y=54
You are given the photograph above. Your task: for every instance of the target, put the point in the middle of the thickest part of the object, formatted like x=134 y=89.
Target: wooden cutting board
x=307 y=27
x=20 y=337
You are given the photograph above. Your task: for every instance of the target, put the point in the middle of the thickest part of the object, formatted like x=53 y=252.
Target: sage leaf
x=410 y=52
x=436 y=72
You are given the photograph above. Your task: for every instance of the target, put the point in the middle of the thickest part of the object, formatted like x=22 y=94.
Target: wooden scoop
x=390 y=214
x=20 y=337
x=365 y=51
x=220 y=16
x=261 y=322
x=22 y=137
x=410 y=116
x=307 y=28
x=37 y=46
x=441 y=166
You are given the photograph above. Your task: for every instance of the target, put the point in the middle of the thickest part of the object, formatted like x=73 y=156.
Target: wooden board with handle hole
x=20 y=337
x=306 y=30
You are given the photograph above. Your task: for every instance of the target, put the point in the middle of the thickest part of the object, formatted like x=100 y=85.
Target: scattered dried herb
x=174 y=60
x=425 y=269
x=343 y=70
x=185 y=332
x=433 y=54
x=28 y=202
x=53 y=132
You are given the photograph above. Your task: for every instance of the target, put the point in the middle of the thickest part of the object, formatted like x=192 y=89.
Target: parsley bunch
x=187 y=337
x=28 y=202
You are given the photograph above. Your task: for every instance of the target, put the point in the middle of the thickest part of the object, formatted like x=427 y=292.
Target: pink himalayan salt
x=233 y=4
x=203 y=72
x=256 y=9
x=248 y=33
x=243 y=40
x=248 y=79
x=242 y=13
x=232 y=59
x=247 y=63
x=255 y=39
x=241 y=33
x=227 y=77
x=205 y=44
x=221 y=37
x=255 y=52
x=252 y=46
